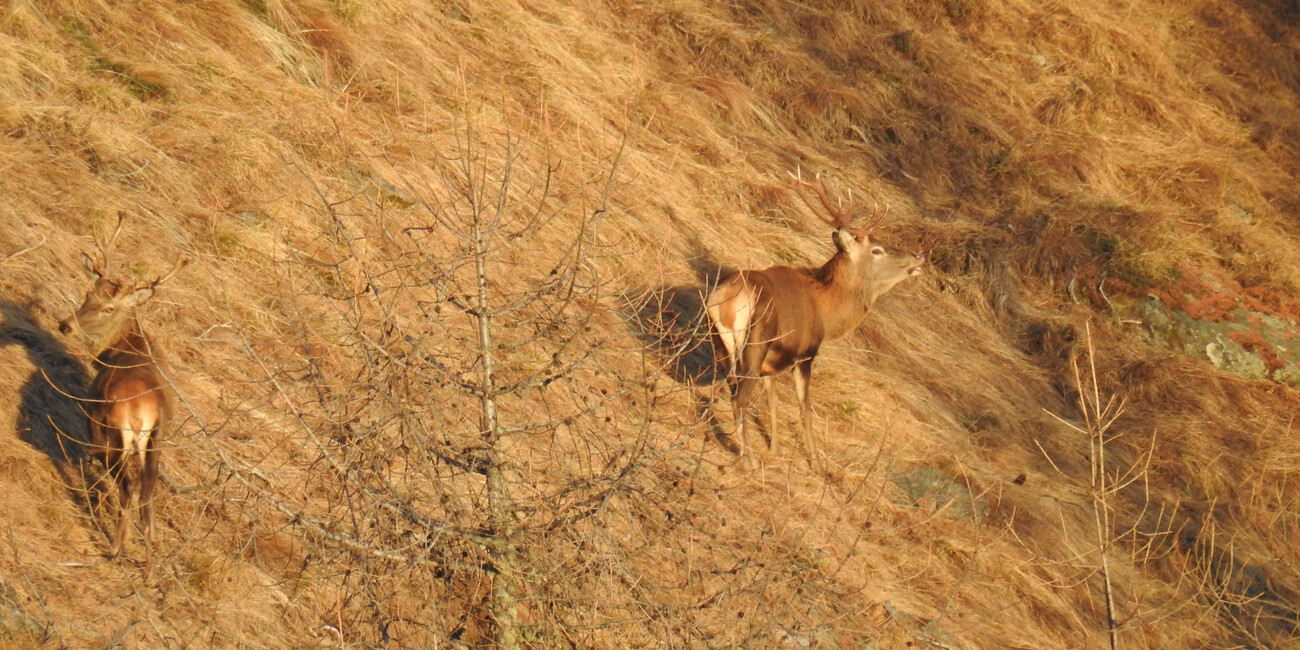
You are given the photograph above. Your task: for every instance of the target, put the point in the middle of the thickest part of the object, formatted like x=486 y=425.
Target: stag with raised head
x=127 y=404
x=776 y=319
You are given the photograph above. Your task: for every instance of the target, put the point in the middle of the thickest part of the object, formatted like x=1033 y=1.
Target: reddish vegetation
x=1211 y=294
x=1283 y=304
x=1214 y=307
x=1253 y=342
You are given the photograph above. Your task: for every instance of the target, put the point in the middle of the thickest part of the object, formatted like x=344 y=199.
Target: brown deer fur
x=776 y=319
x=127 y=405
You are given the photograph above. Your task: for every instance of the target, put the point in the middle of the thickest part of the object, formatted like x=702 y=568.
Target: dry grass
x=320 y=485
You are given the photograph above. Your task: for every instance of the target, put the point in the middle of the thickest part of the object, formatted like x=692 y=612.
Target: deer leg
x=744 y=392
x=769 y=385
x=112 y=459
x=748 y=373
x=148 y=478
x=97 y=451
x=123 y=479
x=724 y=374
x=802 y=377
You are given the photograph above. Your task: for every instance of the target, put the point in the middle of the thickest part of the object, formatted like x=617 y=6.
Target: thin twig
x=25 y=250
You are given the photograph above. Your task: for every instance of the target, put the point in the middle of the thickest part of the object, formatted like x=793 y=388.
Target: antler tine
x=838 y=217
x=175 y=269
x=106 y=249
x=877 y=217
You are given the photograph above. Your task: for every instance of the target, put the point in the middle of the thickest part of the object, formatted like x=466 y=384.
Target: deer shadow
x=51 y=417
x=671 y=321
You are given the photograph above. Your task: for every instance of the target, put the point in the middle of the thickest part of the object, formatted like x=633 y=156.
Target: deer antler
x=836 y=215
x=179 y=265
x=101 y=265
x=839 y=216
x=877 y=217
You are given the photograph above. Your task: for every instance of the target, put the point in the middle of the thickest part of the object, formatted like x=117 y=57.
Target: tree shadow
x=50 y=414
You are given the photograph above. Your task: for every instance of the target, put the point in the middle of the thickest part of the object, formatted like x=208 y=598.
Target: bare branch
x=25 y=250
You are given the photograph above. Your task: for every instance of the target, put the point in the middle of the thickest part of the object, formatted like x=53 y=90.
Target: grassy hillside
x=438 y=347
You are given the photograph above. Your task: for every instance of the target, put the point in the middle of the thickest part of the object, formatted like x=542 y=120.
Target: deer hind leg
x=802 y=378
x=743 y=393
x=731 y=309
x=148 y=478
x=769 y=385
x=122 y=477
x=108 y=449
x=749 y=373
x=130 y=461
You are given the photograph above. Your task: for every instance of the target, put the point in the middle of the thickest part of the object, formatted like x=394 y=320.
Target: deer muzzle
x=918 y=267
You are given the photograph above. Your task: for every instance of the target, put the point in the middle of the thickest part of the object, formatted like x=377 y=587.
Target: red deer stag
x=776 y=319
x=127 y=405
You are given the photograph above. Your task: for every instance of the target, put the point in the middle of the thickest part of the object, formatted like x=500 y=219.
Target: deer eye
x=877 y=251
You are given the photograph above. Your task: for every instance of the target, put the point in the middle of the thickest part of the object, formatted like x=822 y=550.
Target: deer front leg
x=802 y=378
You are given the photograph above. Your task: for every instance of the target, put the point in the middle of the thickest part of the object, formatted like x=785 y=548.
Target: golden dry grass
x=302 y=152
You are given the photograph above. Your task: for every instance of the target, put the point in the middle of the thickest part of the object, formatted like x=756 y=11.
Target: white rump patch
x=735 y=334
x=135 y=441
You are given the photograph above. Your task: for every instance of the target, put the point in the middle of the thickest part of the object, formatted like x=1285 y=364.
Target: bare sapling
x=1107 y=481
x=776 y=319
x=127 y=405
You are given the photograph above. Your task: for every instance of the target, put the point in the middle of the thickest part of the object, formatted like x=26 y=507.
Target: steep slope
x=362 y=457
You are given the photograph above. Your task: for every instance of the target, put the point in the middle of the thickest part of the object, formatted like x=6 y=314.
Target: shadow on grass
x=50 y=414
x=670 y=320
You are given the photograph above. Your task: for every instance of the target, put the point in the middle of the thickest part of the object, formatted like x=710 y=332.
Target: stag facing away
x=128 y=404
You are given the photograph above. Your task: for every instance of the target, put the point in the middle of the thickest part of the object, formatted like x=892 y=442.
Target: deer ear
x=139 y=296
x=91 y=267
x=842 y=238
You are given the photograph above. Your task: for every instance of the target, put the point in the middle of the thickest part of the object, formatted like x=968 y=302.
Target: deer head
x=880 y=269
x=111 y=301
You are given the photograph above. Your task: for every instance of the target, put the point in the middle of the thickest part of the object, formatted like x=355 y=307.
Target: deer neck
x=126 y=339
x=843 y=297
